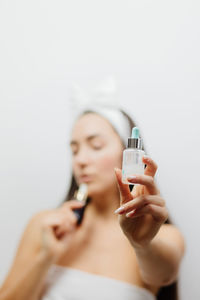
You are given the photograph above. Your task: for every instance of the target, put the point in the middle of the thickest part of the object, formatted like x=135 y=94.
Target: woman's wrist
x=45 y=259
x=143 y=247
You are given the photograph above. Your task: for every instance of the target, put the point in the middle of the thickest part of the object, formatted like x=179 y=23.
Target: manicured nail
x=130 y=214
x=131 y=178
x=146 y=157
x=119 y=210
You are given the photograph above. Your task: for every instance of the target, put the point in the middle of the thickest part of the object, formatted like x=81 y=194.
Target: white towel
x=64 y=283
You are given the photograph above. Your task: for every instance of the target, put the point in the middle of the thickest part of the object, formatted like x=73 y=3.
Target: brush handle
x=79 y=212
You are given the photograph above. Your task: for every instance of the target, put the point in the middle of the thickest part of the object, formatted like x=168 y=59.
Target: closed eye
x=97 y=146
x=74 y=150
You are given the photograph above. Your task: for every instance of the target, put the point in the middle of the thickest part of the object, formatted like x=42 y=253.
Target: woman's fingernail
x=146 y=157
x=130 y=214
x=131 y=178
x=119 y=210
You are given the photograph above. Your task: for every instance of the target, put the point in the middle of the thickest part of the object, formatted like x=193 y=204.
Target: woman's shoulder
x=172 y=234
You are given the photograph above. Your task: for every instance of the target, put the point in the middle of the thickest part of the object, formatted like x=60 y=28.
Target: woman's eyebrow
x=93 y=136
x=88 y=138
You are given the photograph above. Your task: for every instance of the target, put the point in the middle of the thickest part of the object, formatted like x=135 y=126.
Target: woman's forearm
x=27 y=284
x=158 y=262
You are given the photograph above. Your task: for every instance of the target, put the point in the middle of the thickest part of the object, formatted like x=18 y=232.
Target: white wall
x=152 y=48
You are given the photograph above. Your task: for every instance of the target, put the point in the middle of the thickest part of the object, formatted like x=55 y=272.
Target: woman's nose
x=82 y=157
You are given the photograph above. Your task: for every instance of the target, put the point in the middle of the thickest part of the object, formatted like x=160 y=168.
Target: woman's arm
x=159 y=247
x=160 y=260
x=45 y=240
x=25 y=281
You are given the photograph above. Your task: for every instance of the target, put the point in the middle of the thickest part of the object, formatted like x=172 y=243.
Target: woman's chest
x=105 y=252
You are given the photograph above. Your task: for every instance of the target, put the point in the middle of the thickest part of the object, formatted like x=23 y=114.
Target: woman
x=116 y=253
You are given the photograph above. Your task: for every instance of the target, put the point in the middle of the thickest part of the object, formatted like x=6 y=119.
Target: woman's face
x=96 y=151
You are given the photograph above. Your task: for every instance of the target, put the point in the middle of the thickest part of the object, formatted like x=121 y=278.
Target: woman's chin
x=95 y=190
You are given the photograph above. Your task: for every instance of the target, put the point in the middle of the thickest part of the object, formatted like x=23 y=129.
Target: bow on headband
x=104 y=95
x=104 y=101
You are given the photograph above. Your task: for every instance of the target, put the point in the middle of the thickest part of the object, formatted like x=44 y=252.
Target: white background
x=152 y=49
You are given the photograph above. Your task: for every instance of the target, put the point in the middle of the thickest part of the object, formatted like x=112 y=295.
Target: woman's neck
x=103 y=205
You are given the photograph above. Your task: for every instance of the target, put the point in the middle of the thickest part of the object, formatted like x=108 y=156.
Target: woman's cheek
x=108 y=163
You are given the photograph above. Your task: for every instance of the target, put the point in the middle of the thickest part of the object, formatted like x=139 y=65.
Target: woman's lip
x=85 y=178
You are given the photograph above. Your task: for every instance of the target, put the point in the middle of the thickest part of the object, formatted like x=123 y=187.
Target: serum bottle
x=132 y=157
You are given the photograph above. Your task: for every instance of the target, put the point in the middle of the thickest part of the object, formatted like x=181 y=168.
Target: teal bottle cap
x=135 y=133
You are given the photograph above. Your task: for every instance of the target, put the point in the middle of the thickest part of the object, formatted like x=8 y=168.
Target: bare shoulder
x=26 y=250
x=172 y=235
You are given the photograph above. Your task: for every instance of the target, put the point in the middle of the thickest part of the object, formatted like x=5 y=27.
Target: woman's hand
x=49 y=233
x=45 y=239
x=142 y=211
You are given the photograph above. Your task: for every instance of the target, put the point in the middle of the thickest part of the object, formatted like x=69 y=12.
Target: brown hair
x=169 y=292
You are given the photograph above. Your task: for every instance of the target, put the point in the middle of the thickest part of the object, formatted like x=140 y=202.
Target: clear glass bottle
x=132 y=157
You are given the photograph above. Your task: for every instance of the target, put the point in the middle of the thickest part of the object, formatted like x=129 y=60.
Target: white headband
x=102 y=101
